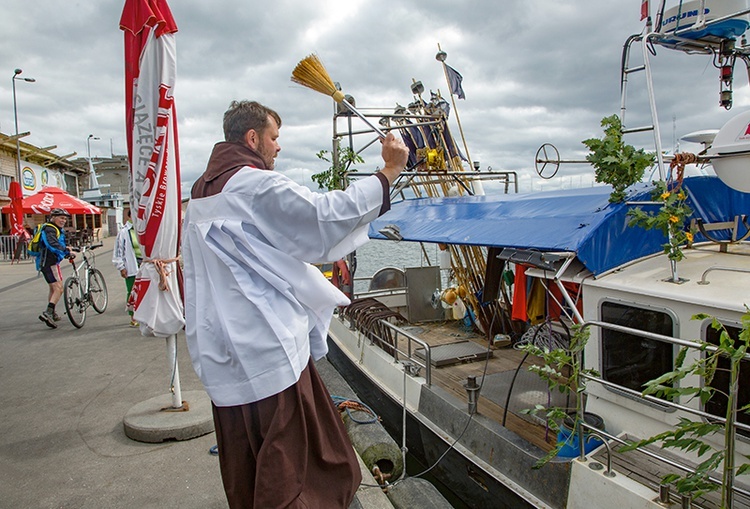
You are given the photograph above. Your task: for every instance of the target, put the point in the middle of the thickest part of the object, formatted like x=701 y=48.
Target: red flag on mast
x=644 y=9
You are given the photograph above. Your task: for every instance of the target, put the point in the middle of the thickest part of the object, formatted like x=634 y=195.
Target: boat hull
x=475 y=469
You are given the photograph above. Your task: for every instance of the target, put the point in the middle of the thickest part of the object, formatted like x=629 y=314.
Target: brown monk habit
x=290 y=450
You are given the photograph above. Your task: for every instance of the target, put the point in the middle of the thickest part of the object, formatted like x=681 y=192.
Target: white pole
x=175 y=370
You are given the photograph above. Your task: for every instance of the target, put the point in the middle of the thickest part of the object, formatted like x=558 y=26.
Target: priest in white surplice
x=257 y=312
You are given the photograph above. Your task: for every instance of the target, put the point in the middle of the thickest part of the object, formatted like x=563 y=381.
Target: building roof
x=39 y=155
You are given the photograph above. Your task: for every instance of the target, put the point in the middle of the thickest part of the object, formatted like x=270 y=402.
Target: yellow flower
x=681 y=196
x=664 y=196
x=689 y=236
x=673 y=219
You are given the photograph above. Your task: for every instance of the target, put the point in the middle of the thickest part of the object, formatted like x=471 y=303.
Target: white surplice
x=255 y=309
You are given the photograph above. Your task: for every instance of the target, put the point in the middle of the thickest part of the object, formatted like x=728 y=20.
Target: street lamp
x=92 y=178
x=15 y=116
x=88 y=144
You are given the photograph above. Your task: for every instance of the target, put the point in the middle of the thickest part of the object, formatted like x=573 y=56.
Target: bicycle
x=81 y=292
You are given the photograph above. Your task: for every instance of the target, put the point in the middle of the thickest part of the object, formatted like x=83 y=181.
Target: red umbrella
x=16 y=211
x=52 y=197
x=150 y=70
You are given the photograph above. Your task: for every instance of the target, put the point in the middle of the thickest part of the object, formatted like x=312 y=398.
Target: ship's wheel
x=547 y=161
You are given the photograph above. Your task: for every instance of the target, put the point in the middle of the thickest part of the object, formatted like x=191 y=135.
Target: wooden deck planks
x=451 y=378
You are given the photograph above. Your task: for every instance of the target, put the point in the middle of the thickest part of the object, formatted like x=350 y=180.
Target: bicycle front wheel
x=75 y=305
x=97 y=291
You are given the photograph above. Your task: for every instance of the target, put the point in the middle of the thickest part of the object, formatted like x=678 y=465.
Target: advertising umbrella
x=50 y=197
x=151 y=126
x=16 y=211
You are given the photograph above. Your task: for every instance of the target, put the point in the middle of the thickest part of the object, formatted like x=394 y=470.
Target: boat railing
x=379 y=292
x=410 y=353
x=418 y=179
x=664 y=403
x=400 y=344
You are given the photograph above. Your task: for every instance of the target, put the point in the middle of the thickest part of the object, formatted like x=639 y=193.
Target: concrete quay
x=64 y=394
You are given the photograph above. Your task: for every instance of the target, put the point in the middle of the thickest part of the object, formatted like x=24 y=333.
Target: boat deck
x=649 y=471
x=496 y=375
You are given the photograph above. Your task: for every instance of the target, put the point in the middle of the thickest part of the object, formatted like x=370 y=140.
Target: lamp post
x=88 y=145
x=92 y=177
x=15 y=116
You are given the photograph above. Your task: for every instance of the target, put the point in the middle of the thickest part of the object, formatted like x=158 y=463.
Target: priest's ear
x=252 y=138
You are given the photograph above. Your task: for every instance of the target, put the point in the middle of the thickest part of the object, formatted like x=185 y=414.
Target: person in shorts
x=52 y=251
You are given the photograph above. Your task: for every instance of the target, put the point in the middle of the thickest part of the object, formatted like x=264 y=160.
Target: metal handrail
x=9 y=245
x=605 y=437
x=666 y=403
x=409 y=353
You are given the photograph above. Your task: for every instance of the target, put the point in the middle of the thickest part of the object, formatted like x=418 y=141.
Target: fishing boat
x=437 y=350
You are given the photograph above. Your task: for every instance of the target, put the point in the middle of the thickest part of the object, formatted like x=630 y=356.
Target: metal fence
x=12 y=248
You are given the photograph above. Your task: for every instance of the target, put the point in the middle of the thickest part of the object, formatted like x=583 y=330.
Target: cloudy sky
x=534 y=71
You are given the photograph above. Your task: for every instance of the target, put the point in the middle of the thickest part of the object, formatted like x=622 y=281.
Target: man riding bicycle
x=52 y=250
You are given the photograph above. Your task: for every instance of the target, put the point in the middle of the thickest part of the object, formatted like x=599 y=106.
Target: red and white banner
x=16 y=211
x=644 y=9
x=150 y=71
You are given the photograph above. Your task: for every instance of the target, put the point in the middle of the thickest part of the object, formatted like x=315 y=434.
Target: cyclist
x=52 y=250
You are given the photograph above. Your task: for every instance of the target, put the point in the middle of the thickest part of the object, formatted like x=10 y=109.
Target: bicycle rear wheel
x=97 y=291
x=75 y=305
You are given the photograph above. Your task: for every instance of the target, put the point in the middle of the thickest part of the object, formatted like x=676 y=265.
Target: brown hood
x=226 y=159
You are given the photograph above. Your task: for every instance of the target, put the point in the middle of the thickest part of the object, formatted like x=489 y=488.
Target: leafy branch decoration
x=616 y=163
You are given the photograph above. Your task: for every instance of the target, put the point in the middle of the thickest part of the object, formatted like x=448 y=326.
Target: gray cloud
x=534 y=71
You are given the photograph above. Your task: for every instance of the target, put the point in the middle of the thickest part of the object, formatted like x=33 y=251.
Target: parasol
x=42 y=202
x=151 y=125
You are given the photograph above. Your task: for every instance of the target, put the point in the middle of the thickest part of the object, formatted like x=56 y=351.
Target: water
x=372 y=257
x=377 y=254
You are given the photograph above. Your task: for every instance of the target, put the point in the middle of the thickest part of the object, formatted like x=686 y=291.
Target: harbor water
x=377 y=254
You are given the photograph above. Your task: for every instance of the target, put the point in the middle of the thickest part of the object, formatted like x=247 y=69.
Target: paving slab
x=65 y=393
x=64 y=397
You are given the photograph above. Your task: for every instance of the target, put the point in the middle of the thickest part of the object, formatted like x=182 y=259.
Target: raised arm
x=395 y=154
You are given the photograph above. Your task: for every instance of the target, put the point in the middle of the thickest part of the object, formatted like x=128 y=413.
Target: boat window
x=717 y=405
x=629 y=360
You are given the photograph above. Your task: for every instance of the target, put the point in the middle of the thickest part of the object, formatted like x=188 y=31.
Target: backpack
x=37 y=244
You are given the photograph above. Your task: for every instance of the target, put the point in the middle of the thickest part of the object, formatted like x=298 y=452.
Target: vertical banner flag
x=455 y=80
x=16 y=211
x=644 y=9
x=151 y=126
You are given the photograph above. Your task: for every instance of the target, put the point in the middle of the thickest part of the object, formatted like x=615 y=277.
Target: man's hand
x=123 y=273
x=395 y=155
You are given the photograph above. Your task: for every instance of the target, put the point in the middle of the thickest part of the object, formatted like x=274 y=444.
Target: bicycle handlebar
x=84 y=248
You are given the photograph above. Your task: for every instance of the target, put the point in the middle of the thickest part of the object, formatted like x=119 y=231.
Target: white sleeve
x=118 y=254
x=309 y=226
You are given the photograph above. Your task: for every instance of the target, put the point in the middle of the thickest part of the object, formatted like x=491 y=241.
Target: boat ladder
x=679 y=38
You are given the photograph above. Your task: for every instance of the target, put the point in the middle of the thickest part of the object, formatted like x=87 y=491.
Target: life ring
x=341 y=278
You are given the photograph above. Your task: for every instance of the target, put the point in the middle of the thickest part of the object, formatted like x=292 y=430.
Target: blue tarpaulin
x=576 y=220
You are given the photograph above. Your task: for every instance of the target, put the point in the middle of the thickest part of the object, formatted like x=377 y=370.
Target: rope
x=160 y=264
x=679 y=160
x=350 y=405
